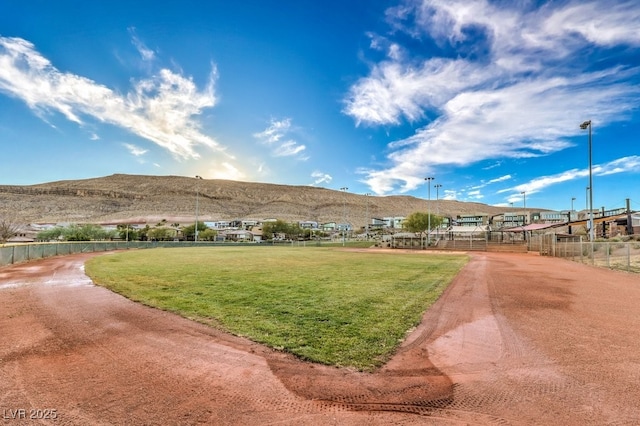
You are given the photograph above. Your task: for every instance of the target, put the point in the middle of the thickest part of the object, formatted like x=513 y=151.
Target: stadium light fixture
x=584 y=126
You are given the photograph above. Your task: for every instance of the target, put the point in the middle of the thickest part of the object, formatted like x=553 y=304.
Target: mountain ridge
x=121 y=198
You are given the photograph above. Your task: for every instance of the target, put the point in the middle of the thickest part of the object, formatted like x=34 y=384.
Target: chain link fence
x=619 y=255
x=18 y=253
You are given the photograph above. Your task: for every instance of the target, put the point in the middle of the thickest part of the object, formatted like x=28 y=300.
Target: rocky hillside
x=122 y=198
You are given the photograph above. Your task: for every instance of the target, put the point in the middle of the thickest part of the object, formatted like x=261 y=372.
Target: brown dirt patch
x=516 y=339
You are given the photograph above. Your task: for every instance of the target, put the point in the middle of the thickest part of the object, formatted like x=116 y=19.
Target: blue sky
x=484 y=96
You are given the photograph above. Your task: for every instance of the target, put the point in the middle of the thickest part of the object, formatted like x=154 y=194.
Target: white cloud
x=272 y=136
x=493 y=166
x=621 y=165
x=94 y=137
x=162 y=109
x=500 y=179
x=516 y=85
x=395 y=90
x=225 y=170
x=288 y=148
x=450 y=194
x=320 y=177
x=276 y=130
x=145 y=53
x=492 y=181
x=135 y=150
x=629 y=164
x=475 y=195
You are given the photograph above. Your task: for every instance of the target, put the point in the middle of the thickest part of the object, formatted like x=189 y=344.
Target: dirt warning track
x=516 y=339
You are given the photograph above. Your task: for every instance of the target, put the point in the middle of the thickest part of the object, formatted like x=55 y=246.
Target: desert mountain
x=134 y=198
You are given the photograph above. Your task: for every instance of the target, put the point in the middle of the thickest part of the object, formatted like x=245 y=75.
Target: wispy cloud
x=145 y=53
x=475 y=195
x=492 y=181
x=277 y=137
x=288 y=148
x=135 y=150
x=500 y=179
x=629 y=164
x=510 y=81
x=321 y=177
x=162 y=109
x=225 y=170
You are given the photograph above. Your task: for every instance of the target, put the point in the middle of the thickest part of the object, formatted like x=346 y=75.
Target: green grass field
x=330 y=306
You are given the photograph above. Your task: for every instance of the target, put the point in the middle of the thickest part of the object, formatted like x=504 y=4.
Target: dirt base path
x=516 y=339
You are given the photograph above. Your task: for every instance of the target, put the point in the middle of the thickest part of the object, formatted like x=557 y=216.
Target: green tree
x=419 y=222
x=87 y=232
x=189 y=231
x=295 y=231
x=76 y=232
x=51 y=234
x=128 y=233
x=143 y=234
x=269 y=229
x=161 y=234
x=207 y=235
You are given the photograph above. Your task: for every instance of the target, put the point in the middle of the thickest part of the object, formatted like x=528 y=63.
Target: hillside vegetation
x=122 y=198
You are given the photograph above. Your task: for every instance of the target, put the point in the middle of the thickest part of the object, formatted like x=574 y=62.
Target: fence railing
x=18 y=253
x=610 y=254
x=618 y=255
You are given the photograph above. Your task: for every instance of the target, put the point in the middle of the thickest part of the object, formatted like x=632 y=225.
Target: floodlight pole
x=586 y=200
x=524 y=206
x=195 y=238
x=366 y=230
x=584 y=126
x=571 y=211
x=437 y=187
x=429 y=179
x=344 y=215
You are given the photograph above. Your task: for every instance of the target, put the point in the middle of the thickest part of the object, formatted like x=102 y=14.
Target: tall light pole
x=512 y=215
x=437 y=187
x=429 y=179
x=524 y=205
x=197 y=190
x=344 y=215
x=584 y=126
x=586 y=200
x=367 y=220
x=571 y=211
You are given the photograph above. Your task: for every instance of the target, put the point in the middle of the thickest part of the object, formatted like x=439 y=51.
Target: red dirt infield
x=515 y=339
